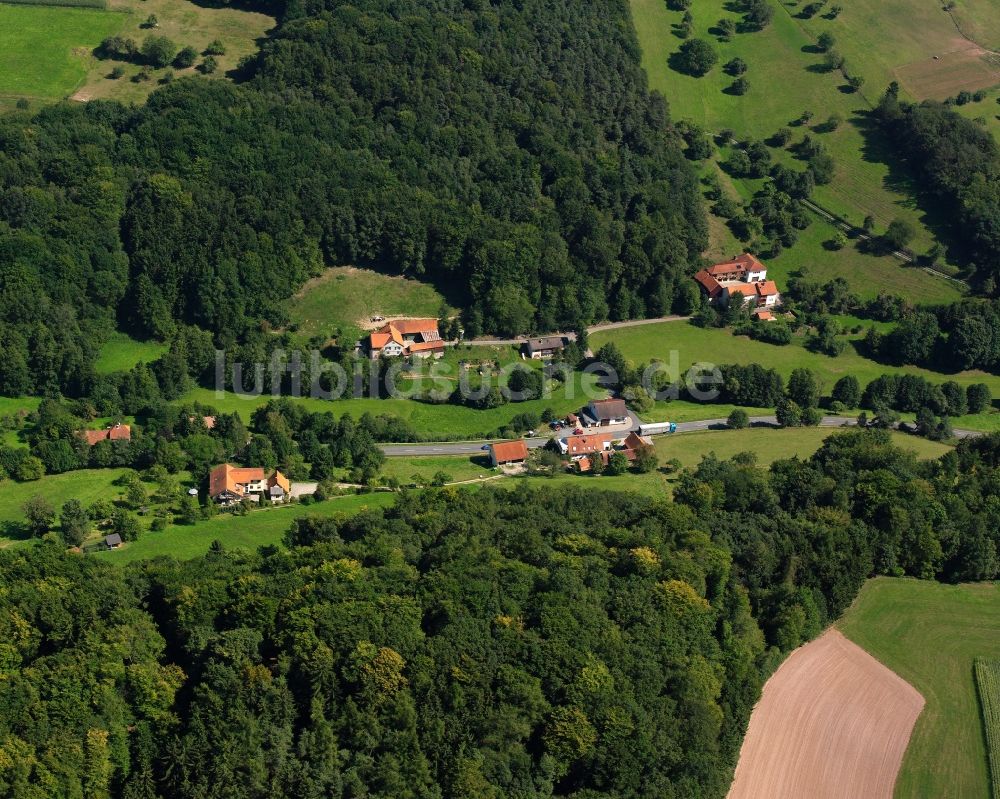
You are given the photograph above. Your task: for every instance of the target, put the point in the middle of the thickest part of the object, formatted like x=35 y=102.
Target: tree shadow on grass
x=902 y=179
x=14 y=531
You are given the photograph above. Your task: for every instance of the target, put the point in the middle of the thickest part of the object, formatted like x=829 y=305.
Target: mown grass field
x=719 y=346
x=45 y=51
x=257 y=529
x=919 y=45
x=344 y=297
x=867 y=274
x=930 y=634
x=86 y=485
x=457 y=467
x=445 y=421
x=121 y=352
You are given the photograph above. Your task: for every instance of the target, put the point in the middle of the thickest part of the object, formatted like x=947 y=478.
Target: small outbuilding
x=113 y=541
x=503 y=452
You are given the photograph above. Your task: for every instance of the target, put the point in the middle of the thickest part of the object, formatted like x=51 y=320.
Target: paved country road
x=475 y=447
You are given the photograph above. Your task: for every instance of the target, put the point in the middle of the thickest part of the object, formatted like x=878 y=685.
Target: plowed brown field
x=832 y=723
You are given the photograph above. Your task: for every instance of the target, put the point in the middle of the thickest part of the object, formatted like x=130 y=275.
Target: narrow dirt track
x=832 y=723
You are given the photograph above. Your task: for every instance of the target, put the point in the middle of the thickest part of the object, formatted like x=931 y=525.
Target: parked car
x=485 y=447
x=378 y=319
x=578 y=431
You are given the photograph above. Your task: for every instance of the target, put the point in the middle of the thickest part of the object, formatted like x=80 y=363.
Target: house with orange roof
x=228 y=484
x=118 y=432
x=418 y=337
x=743 y=276
x=576 y=447
x=504 y=452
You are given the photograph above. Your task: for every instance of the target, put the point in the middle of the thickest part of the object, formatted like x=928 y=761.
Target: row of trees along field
x=959 y=163
x=470 y=643
x=509 y=152
x=961 y=335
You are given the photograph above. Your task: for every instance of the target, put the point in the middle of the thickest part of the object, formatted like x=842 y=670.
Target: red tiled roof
x=583 y=445
x=409 y=327
x=120 y=432
x=278 y=479
x=427 y=346
x=634 y=441
x=766 y=288
x=507 y=451
x=395 y=330
x=743 y=289
x=709 y=283
x=227 y=477
x=764 y=316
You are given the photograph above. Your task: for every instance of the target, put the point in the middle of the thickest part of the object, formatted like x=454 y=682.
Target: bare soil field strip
x=969 y=68
x=832 y=723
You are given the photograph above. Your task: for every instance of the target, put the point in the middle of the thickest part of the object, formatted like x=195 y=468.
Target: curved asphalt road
x=474 y=447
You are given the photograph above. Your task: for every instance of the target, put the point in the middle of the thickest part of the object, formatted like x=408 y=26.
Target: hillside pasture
x=930 y=634
x=86 y=485
x=346 y=298
x=430 y=421
x=185 y=23
x=719 y=346
x=979 y=20
x=783 y=55
x=259 y=528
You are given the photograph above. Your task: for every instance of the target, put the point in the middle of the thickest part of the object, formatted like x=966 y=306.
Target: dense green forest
x=490 y=643
x=509 y=152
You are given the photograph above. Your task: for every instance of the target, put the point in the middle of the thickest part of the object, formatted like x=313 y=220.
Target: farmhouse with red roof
x=118 y=432
x=745 y=277
x=419 y=337
x=228 y=483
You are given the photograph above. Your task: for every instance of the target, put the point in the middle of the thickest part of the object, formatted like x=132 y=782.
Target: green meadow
x=719 y=346
x=786 y=79
x=256 y=529
x=86 y=485
x=121 y=352
x=344 y=298
x=784 y=82
x=442 y=421
x=930 y=634
x=45 y=51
